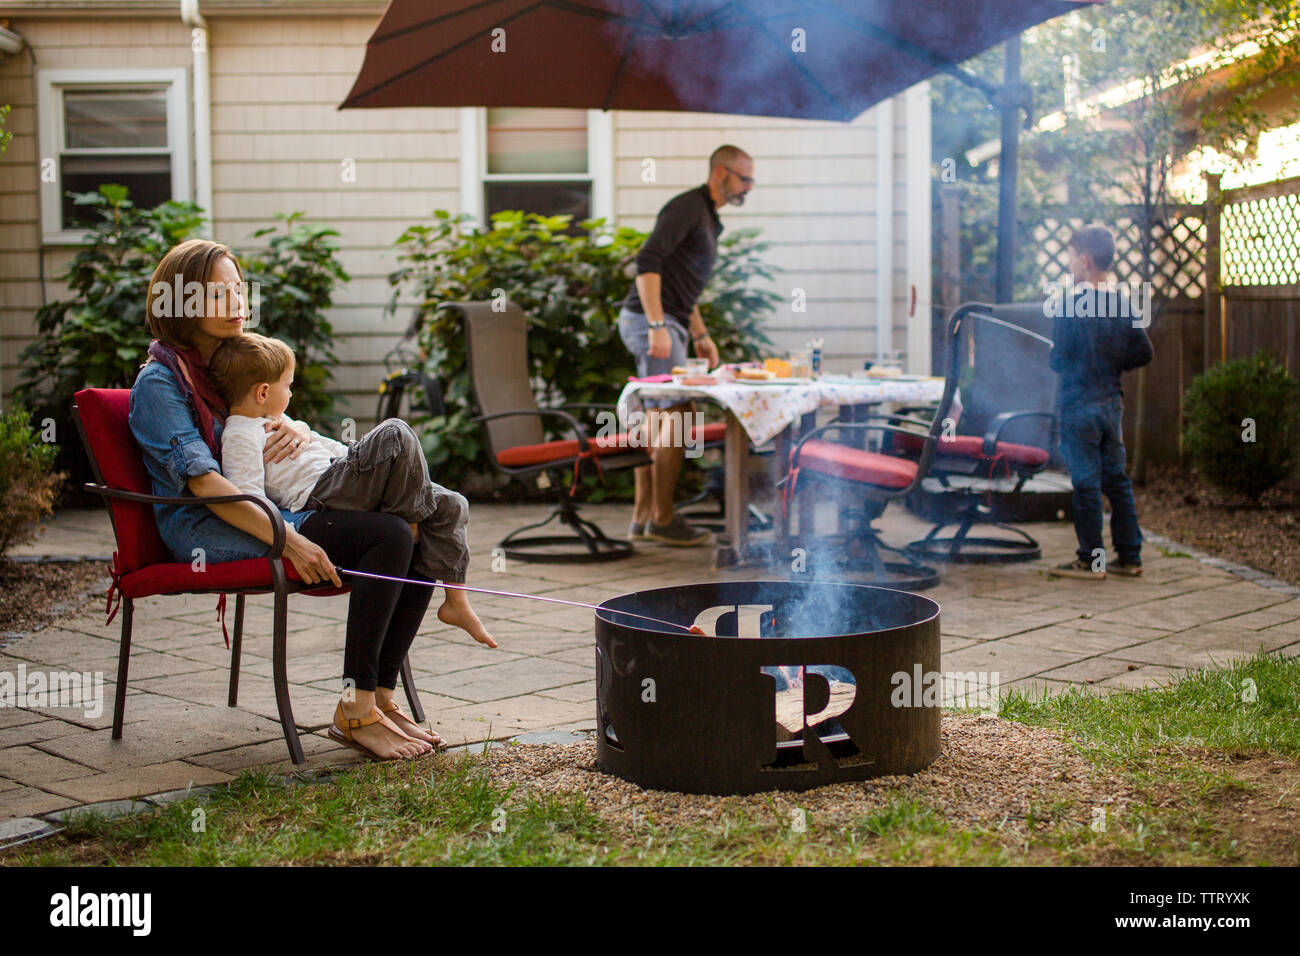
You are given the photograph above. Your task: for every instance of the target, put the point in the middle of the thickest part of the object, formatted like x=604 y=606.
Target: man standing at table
x=660 y=315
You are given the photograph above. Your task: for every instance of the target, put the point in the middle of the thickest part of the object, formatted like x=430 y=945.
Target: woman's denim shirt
x=174 y=452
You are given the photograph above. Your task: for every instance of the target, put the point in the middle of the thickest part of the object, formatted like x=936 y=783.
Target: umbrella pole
x=1008 y=172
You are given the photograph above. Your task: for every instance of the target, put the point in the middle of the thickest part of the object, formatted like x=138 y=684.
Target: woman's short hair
x=245 y=361
x=169 y=307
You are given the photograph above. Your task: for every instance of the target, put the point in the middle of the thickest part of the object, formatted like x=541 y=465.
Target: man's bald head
x=731 y=172
x=727 y=156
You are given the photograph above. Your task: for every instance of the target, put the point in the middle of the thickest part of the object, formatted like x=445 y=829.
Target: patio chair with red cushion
x=143 y=566
x=851 y=474
x=497 y=361
x=976 y=469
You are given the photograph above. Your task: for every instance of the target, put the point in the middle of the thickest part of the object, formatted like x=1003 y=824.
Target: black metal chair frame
x=596 y=546
x=961 y=547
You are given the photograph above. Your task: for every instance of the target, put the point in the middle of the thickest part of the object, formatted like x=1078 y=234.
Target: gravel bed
x=988 y=774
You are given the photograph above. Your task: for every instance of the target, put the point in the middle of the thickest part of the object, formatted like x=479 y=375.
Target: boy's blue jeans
x=1093 y=448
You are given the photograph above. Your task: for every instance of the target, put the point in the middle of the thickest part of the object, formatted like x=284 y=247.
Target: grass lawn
x=1207 y=768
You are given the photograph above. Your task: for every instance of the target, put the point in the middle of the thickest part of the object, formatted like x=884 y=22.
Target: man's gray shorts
x=634 y=329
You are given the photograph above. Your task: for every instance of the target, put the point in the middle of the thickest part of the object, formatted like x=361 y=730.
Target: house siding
x=279 y=144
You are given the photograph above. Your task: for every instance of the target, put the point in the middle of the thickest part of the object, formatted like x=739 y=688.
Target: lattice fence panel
x=1177 y=250
x=1261 y=240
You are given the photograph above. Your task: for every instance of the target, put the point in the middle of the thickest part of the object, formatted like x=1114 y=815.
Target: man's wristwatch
x=696 y=338
x=657 y=325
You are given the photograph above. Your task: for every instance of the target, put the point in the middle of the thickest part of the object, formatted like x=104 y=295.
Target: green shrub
x=99 y=337
x=296 y=276
x=28 y=483
x=571 y=287
x=1241 y=421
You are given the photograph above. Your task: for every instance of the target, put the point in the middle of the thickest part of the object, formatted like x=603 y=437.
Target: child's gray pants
x=386 y=471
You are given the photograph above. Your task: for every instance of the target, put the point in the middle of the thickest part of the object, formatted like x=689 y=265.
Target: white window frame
x=474 y=175
x=50 y=85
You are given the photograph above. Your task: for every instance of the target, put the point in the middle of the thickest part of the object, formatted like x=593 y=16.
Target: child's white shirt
x=286 y=484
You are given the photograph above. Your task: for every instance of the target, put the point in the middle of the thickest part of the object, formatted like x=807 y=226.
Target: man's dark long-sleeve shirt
x=681 y=249
x=1091 y=352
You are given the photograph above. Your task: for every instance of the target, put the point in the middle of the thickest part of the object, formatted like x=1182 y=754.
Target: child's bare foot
x=457 y=612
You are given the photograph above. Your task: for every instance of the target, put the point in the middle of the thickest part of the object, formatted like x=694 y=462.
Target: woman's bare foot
x=385 y=739
x=456 y=611
x=383 y=699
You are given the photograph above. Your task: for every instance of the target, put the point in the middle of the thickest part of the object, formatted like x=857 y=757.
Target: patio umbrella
x=811 y=59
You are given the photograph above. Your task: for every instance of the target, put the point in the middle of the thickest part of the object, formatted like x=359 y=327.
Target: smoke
x=759 y=57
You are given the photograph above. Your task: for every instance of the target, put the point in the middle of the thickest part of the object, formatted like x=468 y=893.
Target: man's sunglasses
x=746 y=180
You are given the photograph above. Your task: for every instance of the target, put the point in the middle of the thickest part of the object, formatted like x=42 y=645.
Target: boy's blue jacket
x=1091 y=352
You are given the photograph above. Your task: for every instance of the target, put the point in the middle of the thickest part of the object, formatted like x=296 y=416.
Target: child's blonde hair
x=245 y=361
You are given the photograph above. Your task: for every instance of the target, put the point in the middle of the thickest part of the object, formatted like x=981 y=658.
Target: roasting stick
x=531 y=597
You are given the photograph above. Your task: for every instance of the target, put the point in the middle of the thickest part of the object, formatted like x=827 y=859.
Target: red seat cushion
x=972 y=446
x=841 y=461
x=173 y=577
x=713 y=432
x=523 y=455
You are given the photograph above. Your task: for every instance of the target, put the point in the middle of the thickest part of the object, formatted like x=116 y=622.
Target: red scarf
x=192 y=378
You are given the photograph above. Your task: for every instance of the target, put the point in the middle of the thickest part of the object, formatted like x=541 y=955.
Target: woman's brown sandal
x=341 y=731
x=392 y=708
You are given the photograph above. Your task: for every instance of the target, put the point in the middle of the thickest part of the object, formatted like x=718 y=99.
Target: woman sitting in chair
x=177 y=416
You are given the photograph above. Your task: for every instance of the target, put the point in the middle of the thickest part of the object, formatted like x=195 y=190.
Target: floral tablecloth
x=765 y=410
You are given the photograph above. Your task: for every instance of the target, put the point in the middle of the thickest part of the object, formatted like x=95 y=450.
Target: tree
x=1158 y=57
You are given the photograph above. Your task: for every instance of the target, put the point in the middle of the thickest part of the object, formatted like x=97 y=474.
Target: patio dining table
x=763 y=413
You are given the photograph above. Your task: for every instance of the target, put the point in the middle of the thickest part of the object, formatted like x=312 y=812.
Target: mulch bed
x=1266 y=535
x=34 y=594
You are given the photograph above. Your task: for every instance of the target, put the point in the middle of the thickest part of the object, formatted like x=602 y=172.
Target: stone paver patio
x=1039 y=633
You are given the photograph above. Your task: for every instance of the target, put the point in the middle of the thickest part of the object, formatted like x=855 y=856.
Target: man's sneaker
x=1077 y=568
x=678 y=533
x=635 y=530
x=1125 y=569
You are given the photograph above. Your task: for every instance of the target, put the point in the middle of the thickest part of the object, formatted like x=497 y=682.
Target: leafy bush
x=28 y=482
x=571 y=287
x=99 y=337
x=1241 y=422
x=296 y=276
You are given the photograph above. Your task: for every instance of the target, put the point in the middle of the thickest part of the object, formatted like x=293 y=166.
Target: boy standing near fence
x=1099 y=339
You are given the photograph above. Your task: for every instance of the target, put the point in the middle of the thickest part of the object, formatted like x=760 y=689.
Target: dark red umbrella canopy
x=826 y=59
